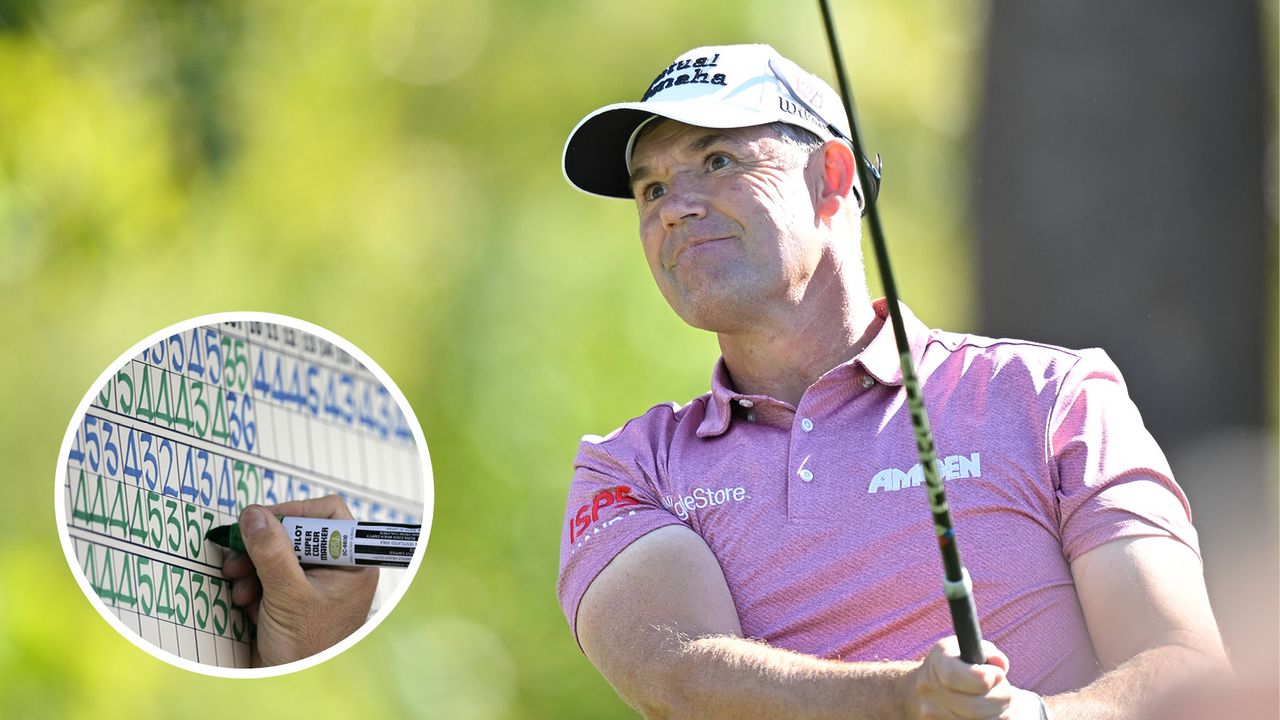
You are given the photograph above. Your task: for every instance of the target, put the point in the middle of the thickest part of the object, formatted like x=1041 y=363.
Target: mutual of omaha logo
x=952 y=467
x=701 y=75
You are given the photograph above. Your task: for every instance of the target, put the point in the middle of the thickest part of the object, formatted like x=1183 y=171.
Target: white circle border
x=246 y=316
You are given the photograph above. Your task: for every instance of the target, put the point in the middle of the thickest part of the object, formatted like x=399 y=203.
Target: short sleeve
x=1113 y=481
x=612 y=503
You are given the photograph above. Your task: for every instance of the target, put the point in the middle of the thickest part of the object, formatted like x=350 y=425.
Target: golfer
x=767 y=550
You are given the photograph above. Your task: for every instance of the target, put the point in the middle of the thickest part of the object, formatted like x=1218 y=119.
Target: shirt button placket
x=807 y=497
x=804 y=473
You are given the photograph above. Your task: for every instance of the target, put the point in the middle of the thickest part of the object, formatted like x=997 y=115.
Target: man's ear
x=837 y=178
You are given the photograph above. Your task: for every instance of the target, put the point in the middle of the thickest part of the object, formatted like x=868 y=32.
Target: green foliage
x=389 y=170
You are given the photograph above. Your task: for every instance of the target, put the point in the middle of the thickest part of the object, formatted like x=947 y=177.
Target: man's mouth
x=693 y=244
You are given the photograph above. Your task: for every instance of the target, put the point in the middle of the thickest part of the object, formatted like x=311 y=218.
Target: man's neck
x=782 y=360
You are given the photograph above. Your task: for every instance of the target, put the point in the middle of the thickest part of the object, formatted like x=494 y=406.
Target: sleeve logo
x=587 y=515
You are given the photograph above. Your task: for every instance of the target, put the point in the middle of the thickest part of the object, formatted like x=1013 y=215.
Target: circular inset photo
x=244 y=494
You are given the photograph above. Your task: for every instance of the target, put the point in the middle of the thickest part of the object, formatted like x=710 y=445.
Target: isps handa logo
x=587 y=515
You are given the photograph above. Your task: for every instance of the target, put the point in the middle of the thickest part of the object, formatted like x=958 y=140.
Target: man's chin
x=726 y=314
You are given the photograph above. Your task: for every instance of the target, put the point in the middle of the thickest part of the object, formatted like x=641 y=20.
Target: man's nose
x=683 y=202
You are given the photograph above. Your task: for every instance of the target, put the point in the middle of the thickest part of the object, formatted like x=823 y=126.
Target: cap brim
x=595 y=155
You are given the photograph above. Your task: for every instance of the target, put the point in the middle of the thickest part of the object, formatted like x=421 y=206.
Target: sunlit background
x=389 y=169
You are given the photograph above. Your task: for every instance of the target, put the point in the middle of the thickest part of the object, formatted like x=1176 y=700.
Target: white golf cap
x=724 y=86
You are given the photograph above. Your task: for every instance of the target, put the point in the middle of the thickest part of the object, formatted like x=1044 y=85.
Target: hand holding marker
x=332 y=541
x=300 y=610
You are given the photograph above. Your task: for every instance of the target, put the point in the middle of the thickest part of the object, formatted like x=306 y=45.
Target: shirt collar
x=716 y=419
x=879 y=359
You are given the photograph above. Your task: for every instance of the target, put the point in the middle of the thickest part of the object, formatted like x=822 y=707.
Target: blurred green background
x=390 y=170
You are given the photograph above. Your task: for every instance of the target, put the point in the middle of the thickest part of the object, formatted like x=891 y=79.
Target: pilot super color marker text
x=327 y=541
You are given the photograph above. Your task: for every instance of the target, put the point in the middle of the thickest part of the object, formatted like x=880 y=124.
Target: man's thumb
x=268 y=546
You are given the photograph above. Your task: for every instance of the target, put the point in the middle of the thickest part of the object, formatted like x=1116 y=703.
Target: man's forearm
x=730 y=677
x=1128 y=691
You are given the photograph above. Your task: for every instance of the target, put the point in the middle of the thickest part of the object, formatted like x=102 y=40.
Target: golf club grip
x=964 y=616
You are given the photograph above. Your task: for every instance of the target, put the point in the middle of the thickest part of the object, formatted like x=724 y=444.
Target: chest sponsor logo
x=587 y=515
x=703 y=497
x=951 y=467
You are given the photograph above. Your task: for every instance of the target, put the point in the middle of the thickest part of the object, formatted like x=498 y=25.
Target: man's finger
x=246 y=591
x=955 y=675
x=995 y=656
x=237 y=566
x=329 y=506
x=965 y=706
x=271 y=551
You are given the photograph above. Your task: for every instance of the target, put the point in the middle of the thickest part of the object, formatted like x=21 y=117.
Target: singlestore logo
x=703 y=497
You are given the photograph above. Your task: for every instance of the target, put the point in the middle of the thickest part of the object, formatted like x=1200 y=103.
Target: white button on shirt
x=868 y=381
x=806 y=424
x=745 y=403
x=806 y=475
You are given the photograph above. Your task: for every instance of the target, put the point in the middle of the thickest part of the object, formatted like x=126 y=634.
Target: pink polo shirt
x=820 y=522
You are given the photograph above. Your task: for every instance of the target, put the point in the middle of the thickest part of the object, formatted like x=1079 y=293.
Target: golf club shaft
x=957 y=586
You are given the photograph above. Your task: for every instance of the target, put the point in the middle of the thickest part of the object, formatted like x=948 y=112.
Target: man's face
x=727 y=221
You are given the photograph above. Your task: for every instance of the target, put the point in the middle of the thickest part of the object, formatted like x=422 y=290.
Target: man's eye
x=654 y=191
x=717 y=161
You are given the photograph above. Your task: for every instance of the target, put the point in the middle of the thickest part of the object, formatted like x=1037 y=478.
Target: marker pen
x=327 y=541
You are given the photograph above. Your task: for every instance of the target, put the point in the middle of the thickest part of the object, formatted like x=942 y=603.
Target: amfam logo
x=703 y=497
x=952 y=467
